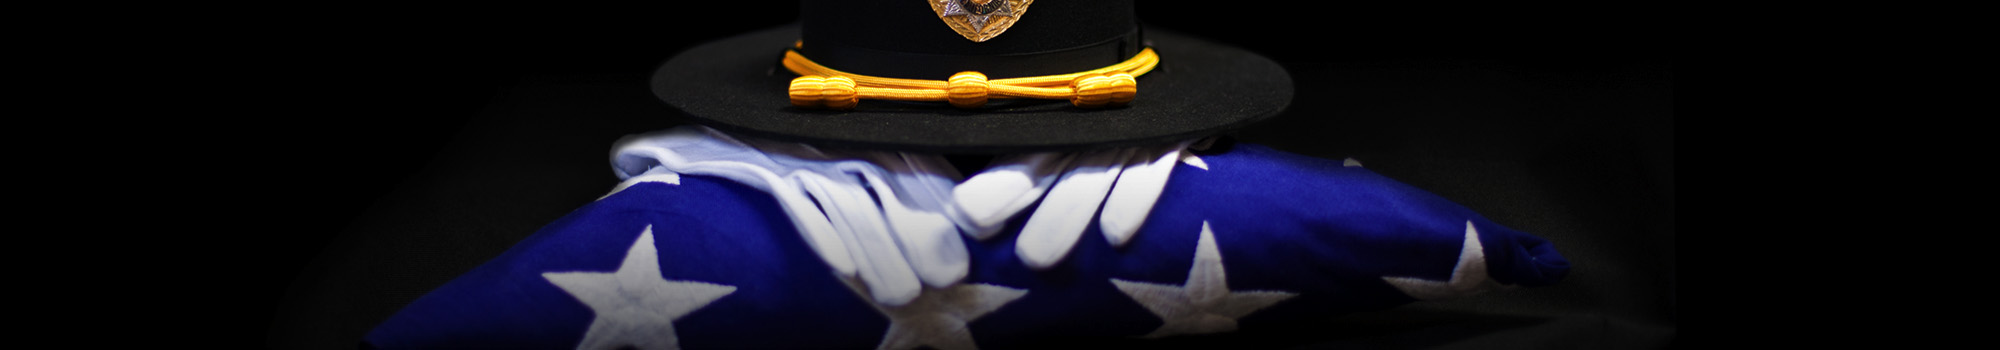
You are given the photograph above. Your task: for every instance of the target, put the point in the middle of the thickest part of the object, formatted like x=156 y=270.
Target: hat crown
x=907 y=39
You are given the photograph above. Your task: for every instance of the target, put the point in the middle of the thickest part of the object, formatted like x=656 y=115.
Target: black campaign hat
x=1195 y=88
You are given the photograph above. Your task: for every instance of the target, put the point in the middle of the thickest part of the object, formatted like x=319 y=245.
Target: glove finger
x=818 y=230
x=927 y=238
x=988 y=199
x=878 y=262
x=1137 y=189
x=1066 y=212
x=924 y=181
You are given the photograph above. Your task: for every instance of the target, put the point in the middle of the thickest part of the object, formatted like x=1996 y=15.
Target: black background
x=352 y=104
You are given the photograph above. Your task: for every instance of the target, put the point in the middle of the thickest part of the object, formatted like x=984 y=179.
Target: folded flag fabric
x=1240 y=237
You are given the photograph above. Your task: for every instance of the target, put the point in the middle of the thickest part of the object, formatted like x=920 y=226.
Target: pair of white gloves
x=893 y=220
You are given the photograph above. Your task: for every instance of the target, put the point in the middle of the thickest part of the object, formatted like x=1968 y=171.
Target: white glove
x=903 y=236
x=1125 y=182
x=827 y=194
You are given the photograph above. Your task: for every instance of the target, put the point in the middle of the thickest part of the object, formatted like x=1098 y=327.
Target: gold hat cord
x=821 y=87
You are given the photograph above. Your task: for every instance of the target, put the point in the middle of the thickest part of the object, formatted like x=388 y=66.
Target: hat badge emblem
x=979 y=20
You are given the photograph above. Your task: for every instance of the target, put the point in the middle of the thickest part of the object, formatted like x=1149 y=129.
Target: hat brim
x=1199 y=88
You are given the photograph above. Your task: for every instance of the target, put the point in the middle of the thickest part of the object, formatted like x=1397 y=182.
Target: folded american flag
x=1241 y=237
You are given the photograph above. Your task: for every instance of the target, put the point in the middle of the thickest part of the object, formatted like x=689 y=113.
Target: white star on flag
x=1204 y=304
x=938 y=317
x=1467 y=278
x=635 y=305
